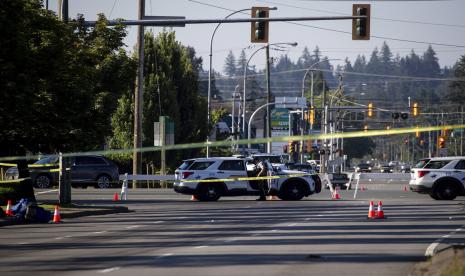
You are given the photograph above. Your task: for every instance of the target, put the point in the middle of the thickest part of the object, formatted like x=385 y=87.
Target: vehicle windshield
x=421 y=163
x=201 y=165
x=47 y=160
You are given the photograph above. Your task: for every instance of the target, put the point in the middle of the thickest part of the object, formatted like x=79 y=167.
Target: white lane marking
x=99 y=232
x=201 y=246
x=165 y=255
x=68 y=236
x=446 y=236
x=132 y=227
x=183 y=217
x=46 y=192
x=59 y=238
x=23 y=243
x=160 y=221
x=274 y=230
x=293 y=224
x=255 y=235
x=308 y=219
x=108 y=270
x=458 y=229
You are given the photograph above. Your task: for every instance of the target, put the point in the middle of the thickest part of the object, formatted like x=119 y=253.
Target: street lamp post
x=293 y=44
x=309 y=69
x=249 y=130
x=210 y=77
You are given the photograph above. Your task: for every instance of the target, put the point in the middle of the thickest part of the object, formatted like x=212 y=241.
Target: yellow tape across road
x=245 y=178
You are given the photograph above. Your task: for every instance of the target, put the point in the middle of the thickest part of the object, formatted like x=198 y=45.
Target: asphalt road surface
x=167 y=234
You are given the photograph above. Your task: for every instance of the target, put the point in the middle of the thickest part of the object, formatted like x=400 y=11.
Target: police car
x=210 y=178
x=443 y=178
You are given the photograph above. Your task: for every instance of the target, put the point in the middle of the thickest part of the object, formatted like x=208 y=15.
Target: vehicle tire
x=446 y=191
x=43 y=181
x=103 y=181
x=434 y=196
x=209 y=192
x=293 y=190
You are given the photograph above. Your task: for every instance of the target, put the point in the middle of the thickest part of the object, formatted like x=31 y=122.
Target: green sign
x=280 y=119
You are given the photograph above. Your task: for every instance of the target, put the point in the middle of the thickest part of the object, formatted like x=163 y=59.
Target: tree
x=58 y=80
x=456 y=88
x=230 y=65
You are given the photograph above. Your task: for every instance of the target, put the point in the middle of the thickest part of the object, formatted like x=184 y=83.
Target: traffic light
x=361 y=26
x=442 y=142
x=370 y=109
x=415 y=111
x=417 y=133
x=311 y=117
x=259 y=30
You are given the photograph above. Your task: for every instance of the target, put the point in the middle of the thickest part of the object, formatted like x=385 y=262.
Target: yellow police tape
x=353 y=134
x=29 y=166
x=245 y=178
x=13 y=180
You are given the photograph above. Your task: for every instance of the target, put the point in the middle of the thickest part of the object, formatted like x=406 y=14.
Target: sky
x=439 y=23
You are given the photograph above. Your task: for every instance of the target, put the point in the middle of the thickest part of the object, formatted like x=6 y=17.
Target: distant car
x=440 y=177
x=405 y=168
x=363 y=167
x=88 y=170
x=386 y=169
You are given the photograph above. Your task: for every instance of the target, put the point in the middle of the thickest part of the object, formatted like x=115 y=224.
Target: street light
x=249 y=130
x=210 y=72
x=293 y=44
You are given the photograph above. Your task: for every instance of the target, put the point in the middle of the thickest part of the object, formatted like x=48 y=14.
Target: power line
x=114 y=4
x=350 y=33
x=373 y=17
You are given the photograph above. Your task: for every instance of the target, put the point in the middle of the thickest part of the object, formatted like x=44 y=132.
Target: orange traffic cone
x=371 y=212
x=273 y=197
x=380 y=213
x=8 y=211
x=336 y=194
x=56 y=215
x=194 y=198
x=115 y=197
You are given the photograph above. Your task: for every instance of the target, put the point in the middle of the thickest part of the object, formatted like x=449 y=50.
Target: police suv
x=210 y=178
x=443 y=178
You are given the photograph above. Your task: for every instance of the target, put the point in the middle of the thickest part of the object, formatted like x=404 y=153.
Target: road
x=167 y=234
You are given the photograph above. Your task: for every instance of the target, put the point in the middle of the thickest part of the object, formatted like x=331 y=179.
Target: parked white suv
x=210 y=178
x=443 y=178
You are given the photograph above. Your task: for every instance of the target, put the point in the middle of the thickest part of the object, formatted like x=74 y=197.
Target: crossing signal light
x=415 y=111
x=442 y=142
x=370 y=110
x=259 y=30
x=311 y=117
x=361 y=26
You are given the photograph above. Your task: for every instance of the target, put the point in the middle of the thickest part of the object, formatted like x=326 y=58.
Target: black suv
x=86 y=170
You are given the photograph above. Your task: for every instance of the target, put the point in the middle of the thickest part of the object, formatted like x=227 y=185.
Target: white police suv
x=210 y=178
x=443 y=178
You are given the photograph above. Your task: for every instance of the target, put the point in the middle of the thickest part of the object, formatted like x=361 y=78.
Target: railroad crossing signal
x=259 y=30
x=361 y=26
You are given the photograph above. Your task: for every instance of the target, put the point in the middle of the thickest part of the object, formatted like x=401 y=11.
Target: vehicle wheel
x=434 y=196
x=210 y=192
x=293 y=191
x=103 y=182
x=446 y=191
x=43 y=181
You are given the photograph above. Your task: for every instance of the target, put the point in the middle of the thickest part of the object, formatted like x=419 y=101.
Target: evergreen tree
x=241 y=62
x=457 y=88
x=230 y=65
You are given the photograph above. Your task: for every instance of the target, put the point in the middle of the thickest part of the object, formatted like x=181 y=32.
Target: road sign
x=290 y=102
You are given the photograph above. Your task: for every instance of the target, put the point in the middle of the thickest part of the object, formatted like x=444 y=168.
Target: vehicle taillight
x=420 y=174
x=186 y=174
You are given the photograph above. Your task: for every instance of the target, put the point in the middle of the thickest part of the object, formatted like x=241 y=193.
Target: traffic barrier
x=8 y=211
x=115 y=197
x=380 y=212
x=56 y=215
x=371 y=211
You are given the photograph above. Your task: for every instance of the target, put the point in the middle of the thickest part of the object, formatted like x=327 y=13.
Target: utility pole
x=268 y=99
x=138 y=99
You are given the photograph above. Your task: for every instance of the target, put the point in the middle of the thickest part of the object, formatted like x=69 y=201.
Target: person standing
x=262 y=170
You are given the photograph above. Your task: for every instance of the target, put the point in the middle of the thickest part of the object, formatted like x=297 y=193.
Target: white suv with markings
x=210 y=178
x=443 y=178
